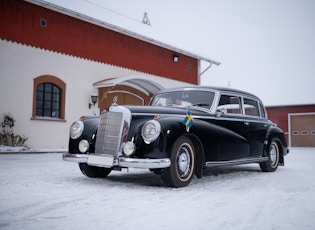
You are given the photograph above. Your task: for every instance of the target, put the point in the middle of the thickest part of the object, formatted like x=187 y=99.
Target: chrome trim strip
x=240 y=117
x=237 y=161
x=233 y=117
x=123 y=161
x=144 y=163
x=210 y=117
x=77 y=157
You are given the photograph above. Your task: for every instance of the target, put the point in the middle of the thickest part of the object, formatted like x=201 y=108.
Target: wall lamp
x=94 y=97
x=175 y=58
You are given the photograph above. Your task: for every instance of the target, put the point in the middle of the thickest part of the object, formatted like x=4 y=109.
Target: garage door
x=302 y=130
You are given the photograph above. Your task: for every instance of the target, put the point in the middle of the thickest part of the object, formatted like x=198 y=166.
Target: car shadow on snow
x=221 y=170
x=123 y=178
x=227 y=174
x=146 y=178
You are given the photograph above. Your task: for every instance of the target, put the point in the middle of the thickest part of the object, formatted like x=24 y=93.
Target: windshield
x=184 y=98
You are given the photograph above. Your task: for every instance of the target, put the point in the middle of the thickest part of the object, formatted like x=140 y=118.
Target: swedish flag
x=188 y=120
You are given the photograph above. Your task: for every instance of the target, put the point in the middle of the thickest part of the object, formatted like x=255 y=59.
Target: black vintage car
x=181 y=132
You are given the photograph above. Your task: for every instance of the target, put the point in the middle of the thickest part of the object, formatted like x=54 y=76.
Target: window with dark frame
x=48 y=100
x=43 y=22
x=251 y=107
x=295 y=133
x=229 y=105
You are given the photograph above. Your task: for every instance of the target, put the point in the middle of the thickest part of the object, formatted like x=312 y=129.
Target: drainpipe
x=210 y=64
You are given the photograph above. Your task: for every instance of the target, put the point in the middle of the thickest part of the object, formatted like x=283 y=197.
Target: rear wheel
x=94 y=172
x=274 y=156
x=181 y=171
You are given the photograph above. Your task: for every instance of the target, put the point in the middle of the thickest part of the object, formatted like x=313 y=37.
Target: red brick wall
x=20 y=22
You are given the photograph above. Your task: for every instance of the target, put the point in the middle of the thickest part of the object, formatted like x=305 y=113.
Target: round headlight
x=76 y=129
x=150 y=131
x=84 y=146
x=128 y=148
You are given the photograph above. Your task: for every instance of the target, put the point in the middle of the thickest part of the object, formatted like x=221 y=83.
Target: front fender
x=89 y=134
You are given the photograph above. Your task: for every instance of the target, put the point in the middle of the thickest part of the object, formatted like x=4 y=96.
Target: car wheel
x=274 y=156
x=94 y=172
x=180 y=173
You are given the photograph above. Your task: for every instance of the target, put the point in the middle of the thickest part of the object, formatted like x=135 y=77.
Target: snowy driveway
x=40 y=191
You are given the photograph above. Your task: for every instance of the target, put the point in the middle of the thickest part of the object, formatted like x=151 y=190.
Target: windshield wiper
x=201 y=105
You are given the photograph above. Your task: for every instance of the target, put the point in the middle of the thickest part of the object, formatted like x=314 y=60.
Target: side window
x=251 y=107
x=49 y=98
x=229 y=105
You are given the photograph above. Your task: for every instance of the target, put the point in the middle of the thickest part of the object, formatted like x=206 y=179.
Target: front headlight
x=150 y=131
x=76 y=129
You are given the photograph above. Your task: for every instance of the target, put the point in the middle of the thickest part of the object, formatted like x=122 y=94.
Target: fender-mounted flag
x=188 y=120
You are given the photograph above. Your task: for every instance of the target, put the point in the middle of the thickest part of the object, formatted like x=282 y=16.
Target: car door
x=234 y=144
x=258 y=125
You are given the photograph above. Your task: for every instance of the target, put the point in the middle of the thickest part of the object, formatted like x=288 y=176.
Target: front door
x=230 y=117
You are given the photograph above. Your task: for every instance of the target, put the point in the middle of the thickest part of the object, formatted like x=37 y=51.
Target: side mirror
x=218 y=113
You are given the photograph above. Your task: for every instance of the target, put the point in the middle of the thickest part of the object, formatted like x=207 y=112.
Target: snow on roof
x=82 y=10
x=142 y=83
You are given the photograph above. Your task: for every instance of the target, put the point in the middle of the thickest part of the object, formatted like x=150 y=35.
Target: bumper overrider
x=102 y=160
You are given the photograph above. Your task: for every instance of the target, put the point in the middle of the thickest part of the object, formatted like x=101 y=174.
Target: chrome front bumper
x=123 y=161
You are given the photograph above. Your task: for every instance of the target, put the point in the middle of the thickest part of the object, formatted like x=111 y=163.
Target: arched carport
x=131 y=90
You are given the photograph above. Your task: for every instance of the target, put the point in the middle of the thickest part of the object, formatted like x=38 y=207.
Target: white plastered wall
x=20 y=64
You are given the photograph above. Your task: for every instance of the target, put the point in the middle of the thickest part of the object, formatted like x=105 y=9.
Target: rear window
x=251 y=107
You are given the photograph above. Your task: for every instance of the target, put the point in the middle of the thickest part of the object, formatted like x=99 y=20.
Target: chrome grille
x=109 y=133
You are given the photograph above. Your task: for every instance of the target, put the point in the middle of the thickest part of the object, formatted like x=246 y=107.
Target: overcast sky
x=266 y=47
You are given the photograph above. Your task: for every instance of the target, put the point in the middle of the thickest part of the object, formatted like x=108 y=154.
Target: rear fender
x=275 y=132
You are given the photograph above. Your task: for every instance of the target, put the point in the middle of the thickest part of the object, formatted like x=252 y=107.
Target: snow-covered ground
x=40 y=191
x=24 y=149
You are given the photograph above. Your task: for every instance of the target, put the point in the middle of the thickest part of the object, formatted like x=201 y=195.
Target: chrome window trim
x=243 y=96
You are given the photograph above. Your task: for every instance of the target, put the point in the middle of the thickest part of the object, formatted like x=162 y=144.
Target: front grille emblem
x=115 y=100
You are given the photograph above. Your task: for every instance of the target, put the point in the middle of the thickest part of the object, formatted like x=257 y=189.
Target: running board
x=237 y=161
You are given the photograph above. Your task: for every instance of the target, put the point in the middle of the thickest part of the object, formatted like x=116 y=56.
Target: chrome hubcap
x=273 y=154
x=183 y=162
